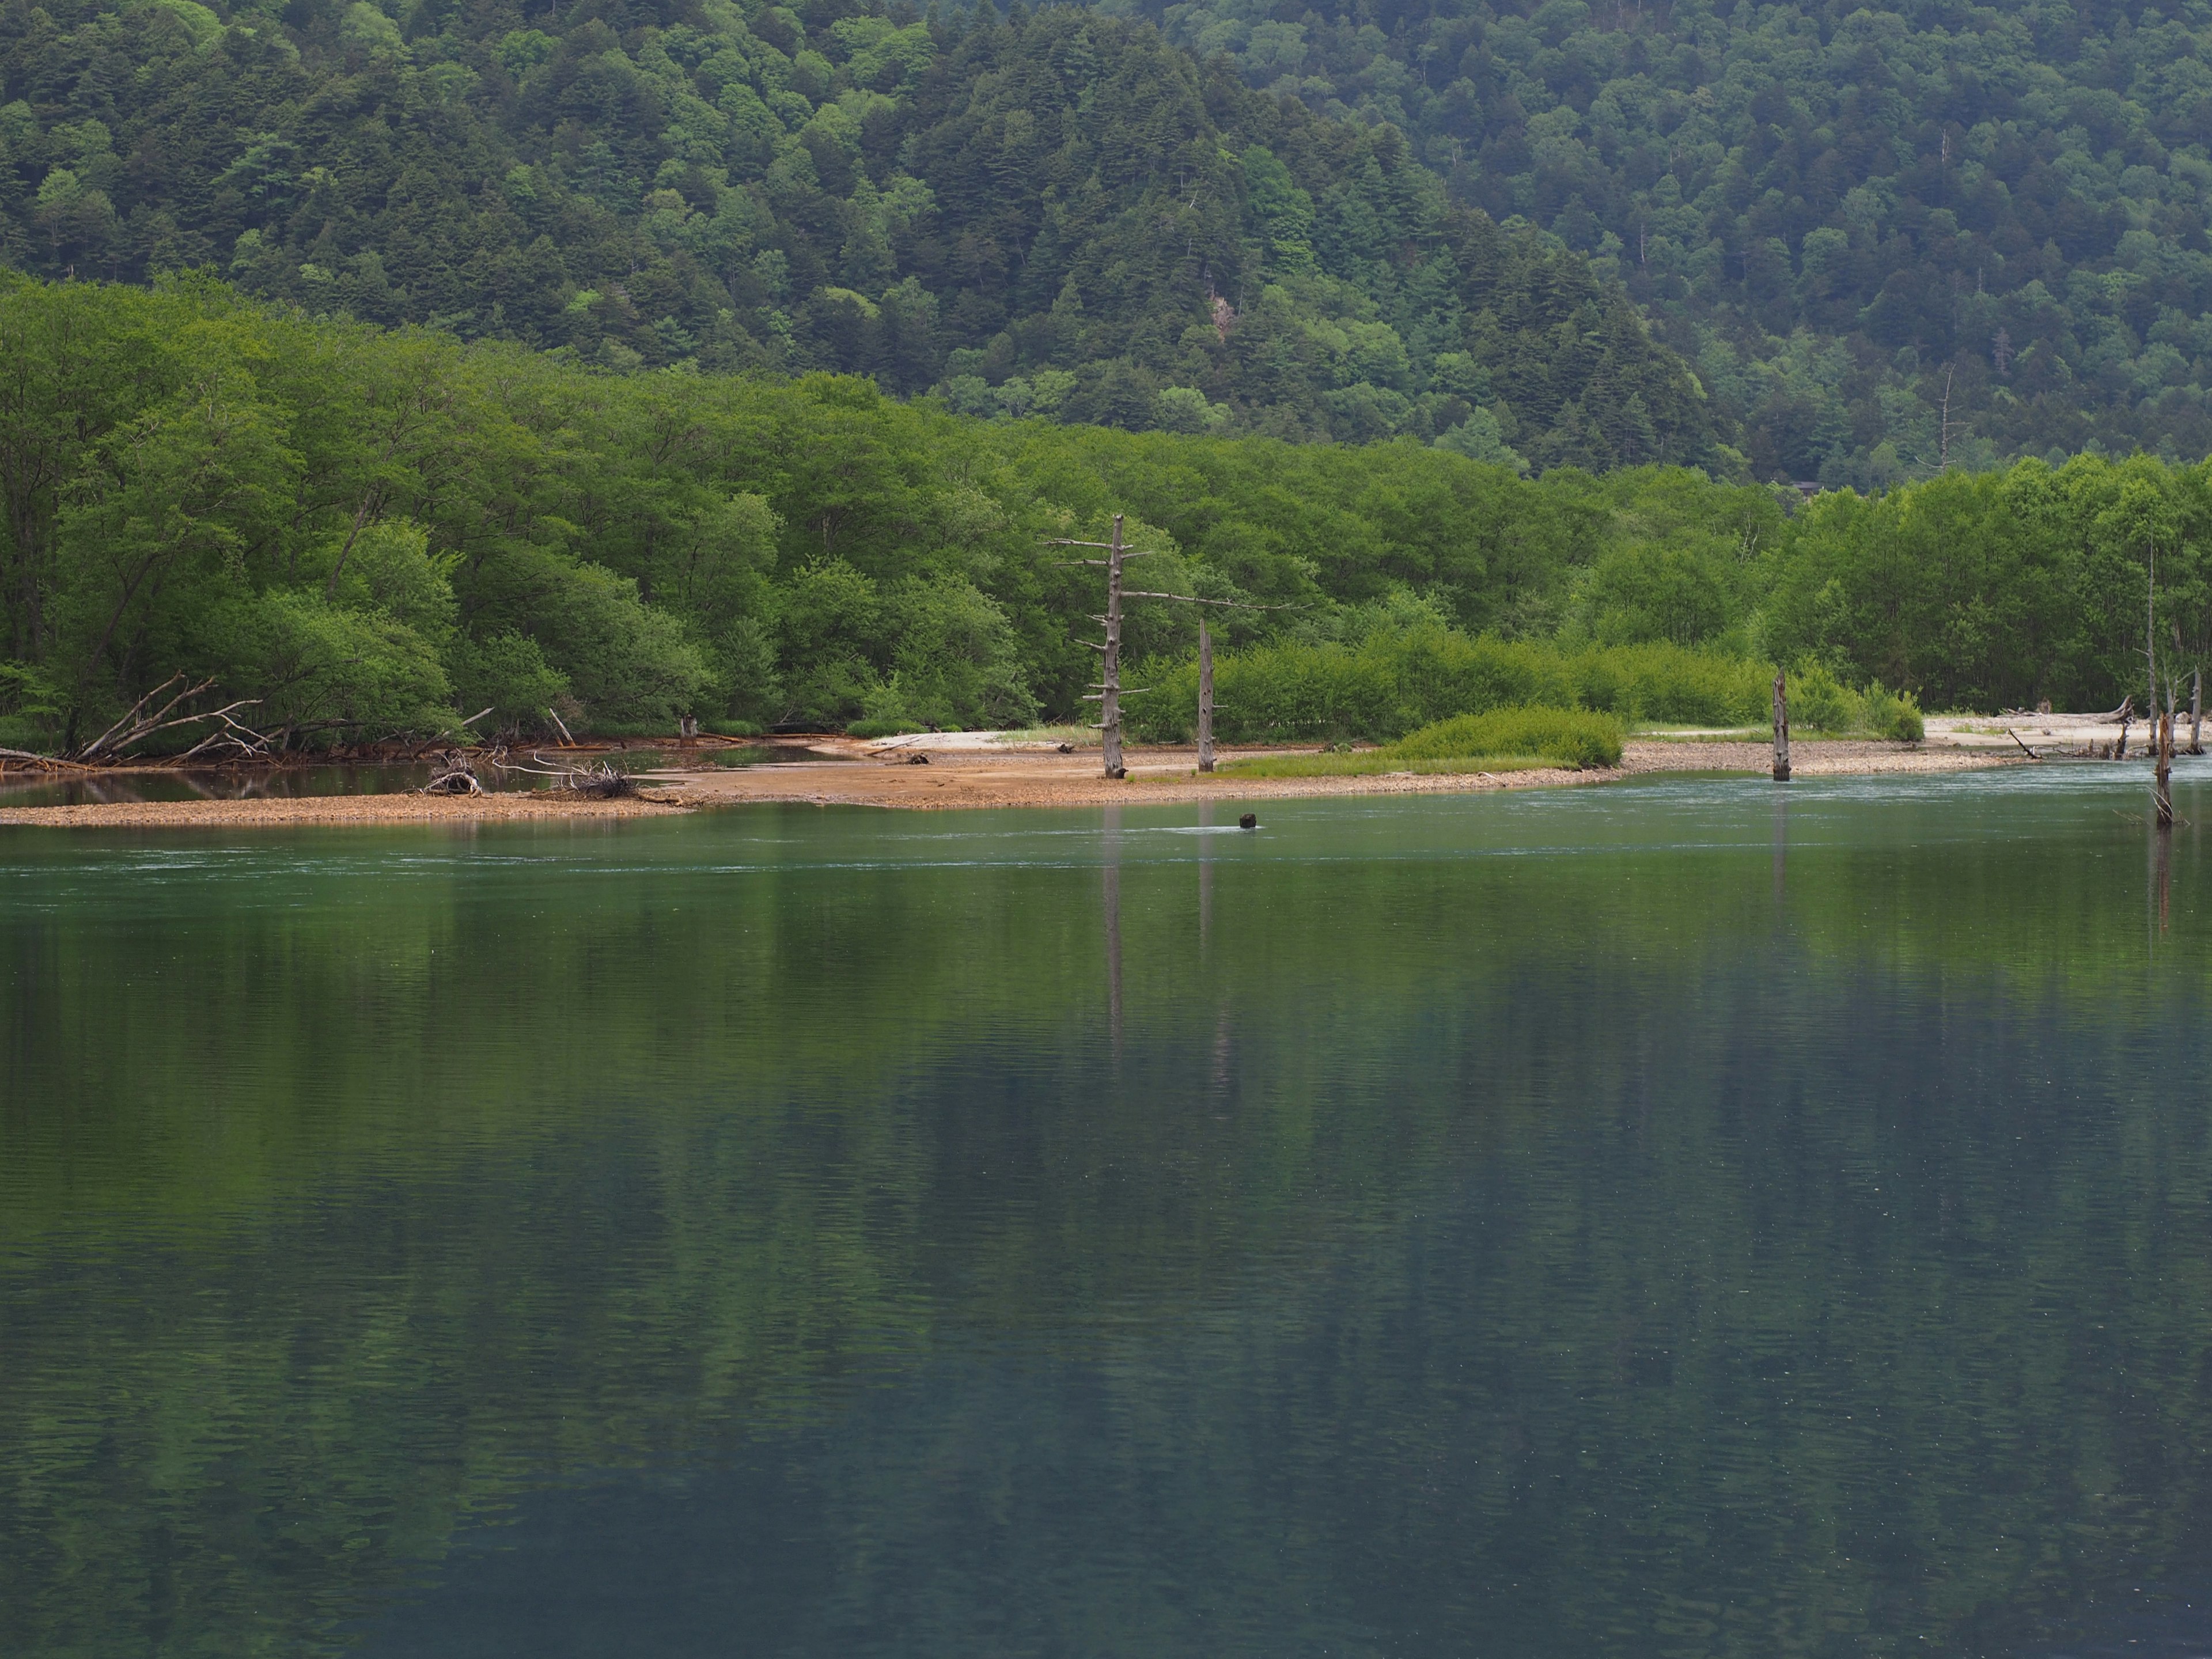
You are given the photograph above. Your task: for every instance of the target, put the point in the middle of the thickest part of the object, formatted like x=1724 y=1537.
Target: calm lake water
x=1681 y=1217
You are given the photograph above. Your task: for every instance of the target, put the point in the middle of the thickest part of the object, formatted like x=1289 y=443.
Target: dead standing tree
x=1107 y=691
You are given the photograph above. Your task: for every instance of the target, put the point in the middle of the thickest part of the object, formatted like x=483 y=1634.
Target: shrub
x=1894 y=715
x=1818 y=701
x=1393 y=684
x=887 y=726
x=1573 y=737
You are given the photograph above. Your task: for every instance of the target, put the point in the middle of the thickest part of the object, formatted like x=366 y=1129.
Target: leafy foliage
x=374 y=533
x=1571 y=737
x=1056 y=214
x=1886 y=237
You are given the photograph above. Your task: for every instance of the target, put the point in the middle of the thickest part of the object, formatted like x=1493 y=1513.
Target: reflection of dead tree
x=137 y=724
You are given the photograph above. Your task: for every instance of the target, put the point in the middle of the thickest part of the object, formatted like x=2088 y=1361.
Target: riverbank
x=958 y=772
x=964 y=773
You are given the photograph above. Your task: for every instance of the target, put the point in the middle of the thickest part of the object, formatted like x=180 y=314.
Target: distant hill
x=1056 y=213
x=1837 y=212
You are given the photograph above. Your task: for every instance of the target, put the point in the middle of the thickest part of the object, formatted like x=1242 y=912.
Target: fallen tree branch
x=92 y=750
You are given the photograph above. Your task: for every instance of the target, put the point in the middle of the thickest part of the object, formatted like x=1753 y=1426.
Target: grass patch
x=1505 y=739
x=1376 y=762
x=884 y=728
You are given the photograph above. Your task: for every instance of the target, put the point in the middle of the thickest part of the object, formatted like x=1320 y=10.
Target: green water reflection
x=1675 y=1218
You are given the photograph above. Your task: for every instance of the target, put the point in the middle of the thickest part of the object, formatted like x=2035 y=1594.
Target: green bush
x=885 y=726
x=1392 y=684
x=1893 y=715
x=1573 y=737
x=1818 y=701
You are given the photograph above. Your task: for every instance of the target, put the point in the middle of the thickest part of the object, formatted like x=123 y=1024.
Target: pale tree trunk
x=1781 y=730
x=1204 y=699
x=1109 y=688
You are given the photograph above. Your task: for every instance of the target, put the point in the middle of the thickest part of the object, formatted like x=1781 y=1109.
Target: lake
x=1685 y=1216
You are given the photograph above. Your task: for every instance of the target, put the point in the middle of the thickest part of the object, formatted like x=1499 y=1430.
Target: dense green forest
x=1839 y=215
x=372 y=533
x=1056 y=214
x=1885 y=241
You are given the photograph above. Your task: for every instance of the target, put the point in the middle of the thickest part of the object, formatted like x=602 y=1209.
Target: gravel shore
x=846 y=773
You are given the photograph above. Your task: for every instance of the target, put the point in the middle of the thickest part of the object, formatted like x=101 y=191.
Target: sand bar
x=961 y=772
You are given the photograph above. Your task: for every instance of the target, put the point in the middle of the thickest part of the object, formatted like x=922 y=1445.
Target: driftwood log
x=454 y=775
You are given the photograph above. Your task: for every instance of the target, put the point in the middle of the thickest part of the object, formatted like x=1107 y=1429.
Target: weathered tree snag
x=1109 y=690
x=1781 y=729
x=1204 y=699
x=1109 y=701
x=2197 y=711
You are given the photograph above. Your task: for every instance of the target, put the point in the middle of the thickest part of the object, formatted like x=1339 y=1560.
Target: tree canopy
x=1057 y=214
x=1886 y=238
x=375 y=532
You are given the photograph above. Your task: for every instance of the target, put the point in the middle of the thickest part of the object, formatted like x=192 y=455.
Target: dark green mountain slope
x=1056 y=213
x=1837 y=212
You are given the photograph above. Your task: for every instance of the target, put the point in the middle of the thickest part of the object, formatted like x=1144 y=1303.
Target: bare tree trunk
x=1109 y=688
x=1781 y=729
x=1204 y=699
x=2197 y=711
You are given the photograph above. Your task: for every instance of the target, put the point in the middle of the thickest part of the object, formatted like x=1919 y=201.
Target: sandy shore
x=961 y=773
x=969 y=775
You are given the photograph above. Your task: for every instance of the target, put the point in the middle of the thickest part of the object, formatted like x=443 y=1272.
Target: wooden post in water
x=1781 y=729
x=1204 y=699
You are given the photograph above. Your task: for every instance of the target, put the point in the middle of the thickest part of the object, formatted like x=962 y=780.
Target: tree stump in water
x=1781 y=729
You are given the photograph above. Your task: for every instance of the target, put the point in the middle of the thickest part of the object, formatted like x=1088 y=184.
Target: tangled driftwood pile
x=454 y=775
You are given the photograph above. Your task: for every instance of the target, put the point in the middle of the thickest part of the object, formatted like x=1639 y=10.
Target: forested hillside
x=371 y=533
x=1056 y=213
x=1836 y=212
